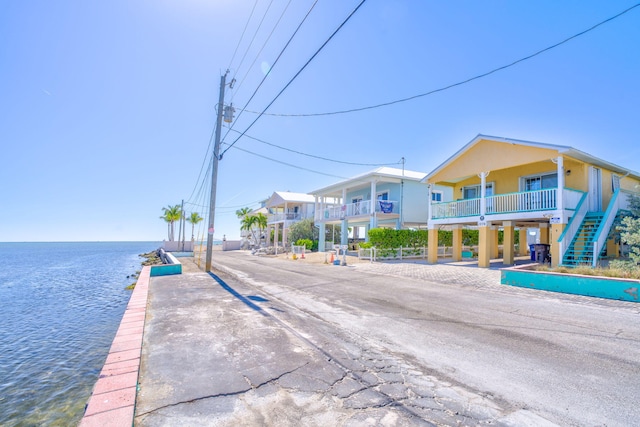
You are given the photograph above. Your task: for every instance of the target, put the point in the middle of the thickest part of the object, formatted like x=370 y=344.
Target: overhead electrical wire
x=295 y=76
x=286 y=164
x=239 y=85
x=255 y=33
x=318 y=157
x=204 y=161
x=273 y=65
x=242 y=35
x=479 y=76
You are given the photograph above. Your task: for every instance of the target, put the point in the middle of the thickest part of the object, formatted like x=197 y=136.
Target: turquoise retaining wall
x=167 y=269
x=591 y=286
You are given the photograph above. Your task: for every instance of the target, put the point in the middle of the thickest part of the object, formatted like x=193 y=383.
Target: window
x=383 y=196
x=436 y=196
x=473 y=191
x=540 y=182
x=615 y=182
x=539 y=200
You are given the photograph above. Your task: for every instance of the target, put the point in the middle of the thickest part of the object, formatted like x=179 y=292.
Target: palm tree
x=171 y=215
x=242 y=212
x=194 y=219
x=247 y=223
x=261 y=222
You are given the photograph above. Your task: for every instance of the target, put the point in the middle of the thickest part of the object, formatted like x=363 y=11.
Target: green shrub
x=308 y=244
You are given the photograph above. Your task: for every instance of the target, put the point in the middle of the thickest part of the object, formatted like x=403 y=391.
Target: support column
x=285 y=230
x=544 y=233
x=268 y=236
x=522 y=242
x=457 y=242
x=322 y=228
x=484 y=245
x=508 y=242
x=483 y=195
x=276 y=234
x=560 y=195
x=433 y=246
x=613 y=249
x=556 y=256
x=344 y=235
x=373 y=221
x=495 y=250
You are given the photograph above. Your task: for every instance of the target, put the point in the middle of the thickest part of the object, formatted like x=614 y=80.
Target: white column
x=560 y=196
x=373 y=221
x=429 y=204
x=344 y=235
x=483 y=193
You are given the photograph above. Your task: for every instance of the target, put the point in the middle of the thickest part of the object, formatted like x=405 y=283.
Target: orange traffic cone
x=331 y=262
x=302 y=256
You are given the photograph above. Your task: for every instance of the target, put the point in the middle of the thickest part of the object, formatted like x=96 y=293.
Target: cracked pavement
x=263 y=342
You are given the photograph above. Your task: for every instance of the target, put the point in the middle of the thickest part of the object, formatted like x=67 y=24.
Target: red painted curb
x=112 y=402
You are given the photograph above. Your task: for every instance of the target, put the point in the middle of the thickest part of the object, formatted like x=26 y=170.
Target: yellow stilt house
x=566 y=198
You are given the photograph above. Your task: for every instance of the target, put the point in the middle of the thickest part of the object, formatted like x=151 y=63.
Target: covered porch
x=546 y=210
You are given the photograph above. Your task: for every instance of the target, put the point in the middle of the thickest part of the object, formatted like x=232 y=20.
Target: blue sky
x=107 y=107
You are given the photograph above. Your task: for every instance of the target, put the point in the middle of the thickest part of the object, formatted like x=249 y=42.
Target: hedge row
x=387 y=238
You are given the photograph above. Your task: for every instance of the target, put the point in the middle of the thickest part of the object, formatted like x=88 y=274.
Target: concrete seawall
x=112 y=402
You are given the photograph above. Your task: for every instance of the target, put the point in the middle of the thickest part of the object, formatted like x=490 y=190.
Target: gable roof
x=281 y=197
x=386 y=174
x=564 y=150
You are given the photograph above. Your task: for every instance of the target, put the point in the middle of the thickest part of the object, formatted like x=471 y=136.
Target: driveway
x=416 y=344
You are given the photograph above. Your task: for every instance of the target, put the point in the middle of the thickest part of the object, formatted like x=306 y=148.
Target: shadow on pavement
x=245 y=300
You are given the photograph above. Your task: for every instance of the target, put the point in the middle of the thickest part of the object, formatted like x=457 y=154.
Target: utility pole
x=214 y=174
x=181 y=227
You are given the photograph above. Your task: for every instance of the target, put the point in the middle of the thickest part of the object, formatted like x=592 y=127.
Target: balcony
x=513 y=203
x=359 y=209
x=286 y=218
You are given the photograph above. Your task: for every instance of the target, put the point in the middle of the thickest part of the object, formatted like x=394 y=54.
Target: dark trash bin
x=532 y=251
x=542 y=252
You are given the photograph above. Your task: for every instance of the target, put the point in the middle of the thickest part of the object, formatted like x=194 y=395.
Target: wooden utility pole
x=214 y=174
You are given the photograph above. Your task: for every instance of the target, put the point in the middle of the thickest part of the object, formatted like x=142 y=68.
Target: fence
x=376 y=254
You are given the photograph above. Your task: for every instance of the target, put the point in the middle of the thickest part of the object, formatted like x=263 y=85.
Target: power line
x=239 y=85
x=242 y=35
x=269 y=71
x=255 y=34
x=318 y=157
x=206 y=156
x=495 y=70
x=296 y=75
x=284 y=163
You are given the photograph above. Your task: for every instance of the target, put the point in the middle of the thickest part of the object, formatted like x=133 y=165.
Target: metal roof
x=386 y=174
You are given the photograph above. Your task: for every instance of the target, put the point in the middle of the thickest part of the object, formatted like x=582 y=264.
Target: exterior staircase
x=580 y=250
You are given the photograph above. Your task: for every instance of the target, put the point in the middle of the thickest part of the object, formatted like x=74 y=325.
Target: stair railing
x=620 y=200
x=573 y=226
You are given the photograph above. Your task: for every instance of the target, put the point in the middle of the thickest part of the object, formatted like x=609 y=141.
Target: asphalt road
x=402 y=344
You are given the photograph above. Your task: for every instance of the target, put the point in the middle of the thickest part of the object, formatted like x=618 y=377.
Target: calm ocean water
x=61 y=306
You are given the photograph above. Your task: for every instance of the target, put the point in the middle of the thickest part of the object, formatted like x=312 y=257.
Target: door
x=595 y=189
x=357 y=201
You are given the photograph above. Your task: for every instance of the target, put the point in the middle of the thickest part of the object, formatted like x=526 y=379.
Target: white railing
x=279 y=217
x=620 y=200
x=574 y=224
x=571 y=198
x=363 y=207
x=461 y=208
x=377 y=254
x=524 y=201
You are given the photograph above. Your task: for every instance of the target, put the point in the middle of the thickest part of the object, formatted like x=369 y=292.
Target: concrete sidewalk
x=213 y=355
